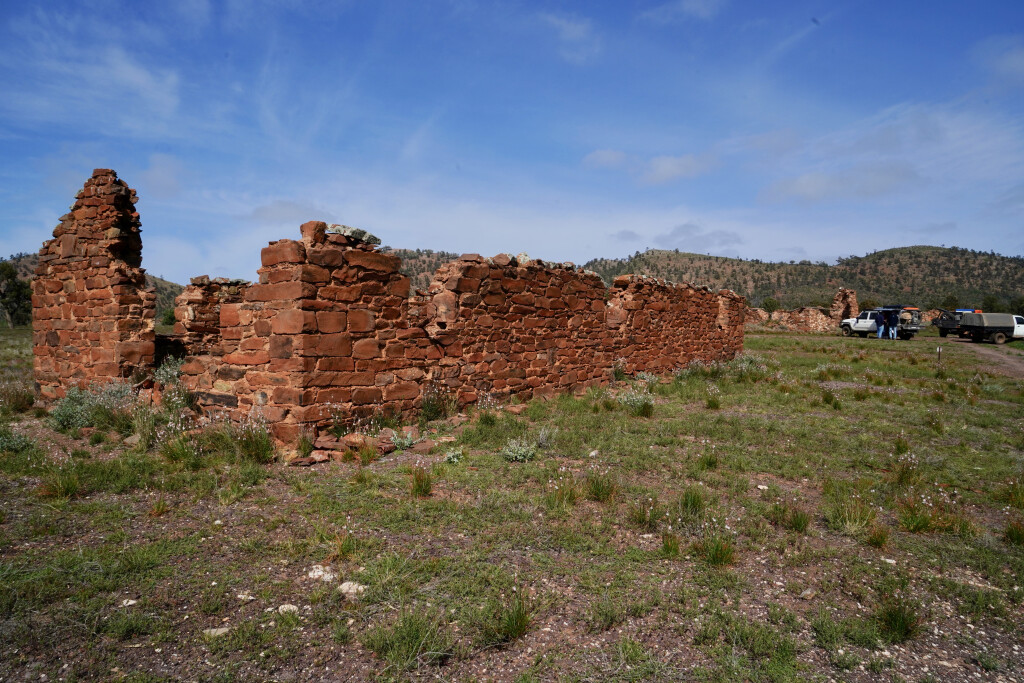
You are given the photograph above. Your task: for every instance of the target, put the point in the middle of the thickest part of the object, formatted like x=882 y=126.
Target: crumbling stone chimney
x=92 y=312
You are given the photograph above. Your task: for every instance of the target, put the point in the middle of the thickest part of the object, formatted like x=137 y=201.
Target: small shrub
x=905 y=471
x=898 y=620
x=850 y=515
x=422 y=482
x=646 y=513
x=417 y=637
x=716 y=550
x=619 y=370
x=144 y=424
x=828 y=633
x=160 y=507
x=454 y=456
x=600 y=486
x=403 y=440
x=545 y=438
x=1014 y=533
x=798 y=520
x=304 y=447
x=605 y=614
x=487 y=419
x=60 y=483
x=96 y=438
x=691 y=503
x=183 y=448
x=438 y=402
x=649 y=380
x=714 y=398
x=507 y=620
x=366 y=454
x=253 y=439
x=519 y=450
x=561 y=494
x=169 y=371
x=16 y=397
x=13 y=442
x=1013 y=493
x=915 y=517
x=127 y=625
x=639 y=403
x=878 y=536
x=670 y=544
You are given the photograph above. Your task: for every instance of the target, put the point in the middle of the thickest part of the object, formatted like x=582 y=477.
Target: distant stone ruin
x=331 y=327
x=809 y=318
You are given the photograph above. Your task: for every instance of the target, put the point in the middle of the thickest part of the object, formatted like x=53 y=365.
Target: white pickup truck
x=864 y=324
x=908 y=321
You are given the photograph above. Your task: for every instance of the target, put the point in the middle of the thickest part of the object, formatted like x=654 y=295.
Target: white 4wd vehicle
x=864 y=324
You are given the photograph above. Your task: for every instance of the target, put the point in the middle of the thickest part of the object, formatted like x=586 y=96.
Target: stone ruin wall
x=92 y=314
x=809 y=318
x=330 y=328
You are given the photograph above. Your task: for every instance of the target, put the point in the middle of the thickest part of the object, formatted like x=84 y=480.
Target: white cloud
x=663 y=169
x=605 y=158
x=683 y=9
x=859 y=182
x=579 y=43
x=946 y=149
x=1004 y=57
x=693 y=238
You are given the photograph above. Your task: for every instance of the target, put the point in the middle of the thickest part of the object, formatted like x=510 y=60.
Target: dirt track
x=1003 y=360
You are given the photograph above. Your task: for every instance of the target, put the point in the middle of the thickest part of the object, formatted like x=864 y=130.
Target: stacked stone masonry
x=330 y=329
x=810 y=318
x=92 y=313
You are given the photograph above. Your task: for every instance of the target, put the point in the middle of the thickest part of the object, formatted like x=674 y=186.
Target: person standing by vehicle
x=882 y=324
x=893 y=323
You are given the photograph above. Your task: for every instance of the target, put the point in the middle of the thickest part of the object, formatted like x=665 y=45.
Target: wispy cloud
x=945 y=147
x=862 y=181
x=605 y=158
x=579 y=42
x=1003 y=56
x=694 y=238
x=663 y=169
x=657 y=170
x=683 y=9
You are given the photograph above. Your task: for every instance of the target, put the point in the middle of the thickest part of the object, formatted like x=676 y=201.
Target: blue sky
x=771 y=130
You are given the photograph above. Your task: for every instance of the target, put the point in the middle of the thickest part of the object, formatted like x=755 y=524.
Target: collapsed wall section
x=92 y=313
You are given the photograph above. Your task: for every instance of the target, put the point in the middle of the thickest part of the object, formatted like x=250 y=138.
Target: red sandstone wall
x=92 y=313
x=330 y=327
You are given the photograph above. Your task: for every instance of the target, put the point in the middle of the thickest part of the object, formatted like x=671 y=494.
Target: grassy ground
x=823 y=508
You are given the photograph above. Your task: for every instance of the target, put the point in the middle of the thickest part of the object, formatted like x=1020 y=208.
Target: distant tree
x=167 y=317
x=15 y=296
x=990 y=303
x=866 y=304
x=770 y=304
x=950 y=303
x=1017 y=306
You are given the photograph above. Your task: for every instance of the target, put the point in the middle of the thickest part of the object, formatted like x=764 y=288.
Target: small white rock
x=216 y=632
x=322 y=573
x=594 y=453
x=351 y=590
x=244 y=596
x=217 y=522
x=287 y=609
x=888 y=561
x=762 y=487
x=128 y=603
